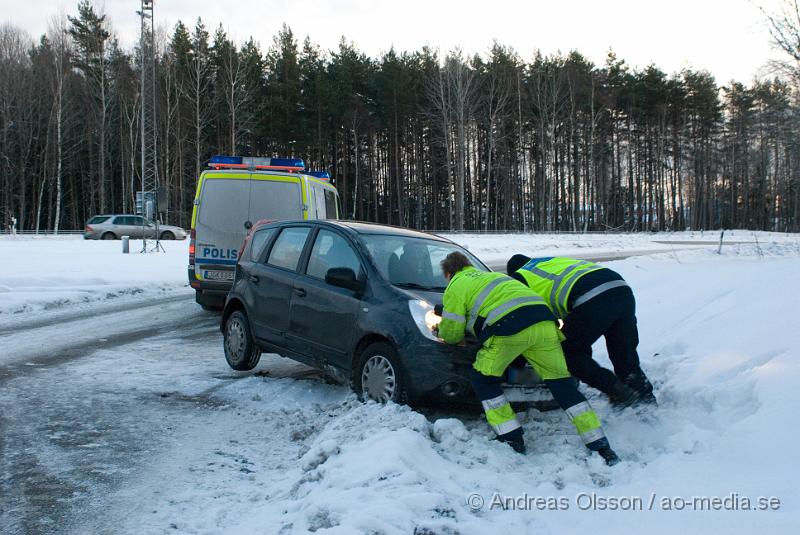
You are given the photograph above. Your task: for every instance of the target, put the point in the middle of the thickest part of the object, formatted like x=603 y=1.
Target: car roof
x=363 y=227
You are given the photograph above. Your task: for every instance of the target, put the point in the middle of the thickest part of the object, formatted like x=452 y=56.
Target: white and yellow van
x=233 y=194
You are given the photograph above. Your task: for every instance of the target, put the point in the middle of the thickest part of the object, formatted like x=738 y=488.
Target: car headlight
x=424 y=317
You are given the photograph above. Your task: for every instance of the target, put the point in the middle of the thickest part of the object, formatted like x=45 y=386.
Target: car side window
x=288 y=248
x=331 y=251
x=120 y=220
x=259 y=240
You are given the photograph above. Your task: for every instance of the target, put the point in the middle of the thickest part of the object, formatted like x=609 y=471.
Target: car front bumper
x=439 y=370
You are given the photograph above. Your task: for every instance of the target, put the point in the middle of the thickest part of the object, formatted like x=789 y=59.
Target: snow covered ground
x=47 y=273
x=155 y=434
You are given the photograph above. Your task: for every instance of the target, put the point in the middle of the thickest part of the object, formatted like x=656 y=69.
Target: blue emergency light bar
x=294 y=164
x=323 y=175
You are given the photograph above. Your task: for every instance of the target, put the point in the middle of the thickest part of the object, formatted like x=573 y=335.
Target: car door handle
x=300 y=292
x=254 y=279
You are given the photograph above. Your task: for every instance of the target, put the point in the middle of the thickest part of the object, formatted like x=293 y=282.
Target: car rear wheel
x=167 y=235
x=241 y=352
x=380 y=375
x=109 y=236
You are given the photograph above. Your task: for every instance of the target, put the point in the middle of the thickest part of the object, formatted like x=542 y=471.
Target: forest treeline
x=420 y=139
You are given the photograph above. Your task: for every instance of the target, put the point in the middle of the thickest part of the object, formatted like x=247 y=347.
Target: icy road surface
x=124 y=418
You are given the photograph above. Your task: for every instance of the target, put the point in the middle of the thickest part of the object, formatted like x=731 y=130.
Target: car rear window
x=288 y=247
x=96 y=220
x=259 y=240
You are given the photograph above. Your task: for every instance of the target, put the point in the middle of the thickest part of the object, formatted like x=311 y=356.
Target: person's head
x=516 y=262
x=453 y=263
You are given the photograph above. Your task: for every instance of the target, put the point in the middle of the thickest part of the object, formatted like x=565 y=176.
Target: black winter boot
x=642 y=386
x=517 y=443
x=608 y=456
x=621 y=395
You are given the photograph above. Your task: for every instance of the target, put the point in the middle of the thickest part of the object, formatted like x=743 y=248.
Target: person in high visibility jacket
x=511 y=320
x=593 y=301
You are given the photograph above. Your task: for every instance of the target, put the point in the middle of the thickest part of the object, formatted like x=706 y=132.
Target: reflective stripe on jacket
x=477 y=300
x=553 y=278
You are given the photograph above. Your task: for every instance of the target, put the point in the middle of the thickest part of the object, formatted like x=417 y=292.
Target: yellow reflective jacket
x=553 y=279
x=488 y=304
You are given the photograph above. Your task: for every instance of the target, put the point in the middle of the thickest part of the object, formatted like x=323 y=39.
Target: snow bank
x=719 y=338
x=493 y=248
x=45 y=273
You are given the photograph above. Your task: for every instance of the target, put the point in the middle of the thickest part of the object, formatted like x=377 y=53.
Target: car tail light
x=88 y=229
x=191 y=247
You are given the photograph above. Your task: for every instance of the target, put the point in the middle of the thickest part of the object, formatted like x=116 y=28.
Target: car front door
x=323 y=317
x=272 y=284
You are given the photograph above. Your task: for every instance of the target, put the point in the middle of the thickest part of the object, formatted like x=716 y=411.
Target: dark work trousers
x=611 y=314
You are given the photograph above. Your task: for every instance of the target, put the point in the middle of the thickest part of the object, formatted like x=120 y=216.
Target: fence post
x=126 y=248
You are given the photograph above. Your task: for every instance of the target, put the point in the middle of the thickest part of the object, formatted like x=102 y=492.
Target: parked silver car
x=113 y=227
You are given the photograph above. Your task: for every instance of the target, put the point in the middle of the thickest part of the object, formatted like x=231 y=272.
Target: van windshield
x=413 y=263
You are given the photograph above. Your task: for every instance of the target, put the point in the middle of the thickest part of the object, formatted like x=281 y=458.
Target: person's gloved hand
x=438 y=309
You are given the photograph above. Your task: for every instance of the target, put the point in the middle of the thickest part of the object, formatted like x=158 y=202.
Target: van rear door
x=275 y=198
x=220 y=228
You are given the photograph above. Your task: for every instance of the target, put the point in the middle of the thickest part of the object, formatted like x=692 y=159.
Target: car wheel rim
x=235 y=339
x=378 y=379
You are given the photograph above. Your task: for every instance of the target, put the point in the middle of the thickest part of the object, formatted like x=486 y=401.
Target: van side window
x=259 y=240
x=288 y=248
x=331 y=251
x=319 y=202
x=330 y=204
x=96 y=220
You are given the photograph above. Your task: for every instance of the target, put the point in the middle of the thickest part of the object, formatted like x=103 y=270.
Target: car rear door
x=323 y=317
x=139 y=228
x=272 y=283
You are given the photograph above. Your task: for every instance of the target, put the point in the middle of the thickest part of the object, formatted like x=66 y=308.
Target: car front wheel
x=380 y=375
x=241 y=352
x=167 y=236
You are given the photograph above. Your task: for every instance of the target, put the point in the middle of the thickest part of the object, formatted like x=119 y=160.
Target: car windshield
x=413 y=263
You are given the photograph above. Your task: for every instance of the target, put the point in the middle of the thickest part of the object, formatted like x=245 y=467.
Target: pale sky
x=726 y=37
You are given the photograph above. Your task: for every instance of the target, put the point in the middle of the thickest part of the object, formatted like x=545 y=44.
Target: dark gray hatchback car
x=354 y=299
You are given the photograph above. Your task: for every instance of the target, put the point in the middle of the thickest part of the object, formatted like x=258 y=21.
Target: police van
x=233 y=194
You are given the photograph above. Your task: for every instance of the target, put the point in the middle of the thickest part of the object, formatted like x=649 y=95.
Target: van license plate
x=218 y=275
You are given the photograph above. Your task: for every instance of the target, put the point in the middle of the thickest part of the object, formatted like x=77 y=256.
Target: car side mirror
x=344 y=278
